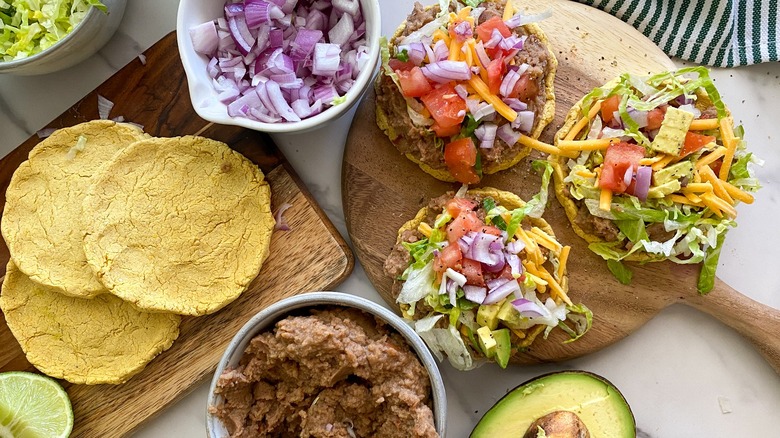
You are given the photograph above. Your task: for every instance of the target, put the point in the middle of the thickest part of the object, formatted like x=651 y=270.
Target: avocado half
x=596 y=401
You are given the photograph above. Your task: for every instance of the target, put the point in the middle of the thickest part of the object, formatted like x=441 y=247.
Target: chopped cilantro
x=403 y=55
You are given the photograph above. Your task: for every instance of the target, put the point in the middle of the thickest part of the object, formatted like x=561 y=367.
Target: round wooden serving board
x=382 y=190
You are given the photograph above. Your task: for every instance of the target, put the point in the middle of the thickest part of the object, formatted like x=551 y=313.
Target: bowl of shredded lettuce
x=44 y=36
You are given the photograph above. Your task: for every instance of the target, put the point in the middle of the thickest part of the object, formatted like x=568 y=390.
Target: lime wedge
x=33 y=406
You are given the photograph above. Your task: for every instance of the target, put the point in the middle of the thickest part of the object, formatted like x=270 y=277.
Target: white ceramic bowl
x=82 y=42
x=267 y=318
x=204 y=96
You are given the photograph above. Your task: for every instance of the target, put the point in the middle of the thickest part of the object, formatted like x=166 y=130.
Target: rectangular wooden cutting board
x=311 y=256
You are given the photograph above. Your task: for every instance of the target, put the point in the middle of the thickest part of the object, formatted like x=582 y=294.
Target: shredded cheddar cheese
x=544 y=239
x=583 y=122
x=737 y=193
x=651 y=160
x=509 y=10
x=727 y=136
x=425 y=229
x=711 y=157
x=455 y=47
x=544 y=147
x=717 y=185
x=555 y=287
x=703 y=125
x=587 y=145
x=564 y=257
x=663 y=162
x=482 y=89
x=605 y=200
x=684 y=200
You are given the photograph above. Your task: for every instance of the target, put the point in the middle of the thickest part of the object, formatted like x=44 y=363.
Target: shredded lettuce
x=620 y=271
x=582 y=317
x=418 y=285
x=707 y=274
x=29 y=27
x=445 y=342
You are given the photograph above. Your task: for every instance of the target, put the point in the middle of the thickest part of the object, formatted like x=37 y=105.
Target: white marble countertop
x=684 y=373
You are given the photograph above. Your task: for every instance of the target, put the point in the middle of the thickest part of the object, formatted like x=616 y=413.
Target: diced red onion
x=524 y=121
x=483 y=110
x=204 y=38
x=475 y=294
x=482 y=55
x=326 y=59
x=595 y=128
x=527 y=308
x=495 y=39
x=521 y=19
x=515 y=103
x=486 y=134
x=480 y=248
x=276 y=38
x=104 y=107
x=351 y=7
x=316 y=20
x=326 y=93
x=341 y=32
x=446 y=71
x=510 y=43
x=241 y=34
x=628 y=176
x=441 y=51
x=515 y=246
x=683 y=100
x=462 y=92
x=234 y=9
x=258 y=12
x=514 y=263
x=507 y=134
x=640 y=117
x=463 y=31
x=501 y=292
x=496 y=282
x=617 y=121
x=642 y=186
x=279 y=103
x=281 y=224
x=508 y=83
x=416 y=53
x=304 y=43
x=691 y=109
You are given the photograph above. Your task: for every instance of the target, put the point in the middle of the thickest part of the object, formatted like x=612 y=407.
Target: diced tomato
x=694 y=142
x=619 y=158
x=465 y=222
x=449 y=257
x=472 y=269
x=485 y=30
x=654 y=119
x=495 y=71
x=526 y=89
x=608 y=108
x=460 y=156
x=506 y=273
x=446 y=107
x=490 y=229
x=445 y=132
x=397 y=64
x=715 y=166
x=457 y=205
x=413 y=82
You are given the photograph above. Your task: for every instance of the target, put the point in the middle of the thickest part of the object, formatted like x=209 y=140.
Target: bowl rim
x=353 y=95
x=44 y=53
x=271 y=314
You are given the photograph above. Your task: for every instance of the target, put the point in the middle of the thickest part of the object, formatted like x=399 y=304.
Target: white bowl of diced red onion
x=277 y=65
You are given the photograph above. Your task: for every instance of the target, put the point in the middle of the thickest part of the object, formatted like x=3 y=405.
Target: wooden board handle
x=757 y=322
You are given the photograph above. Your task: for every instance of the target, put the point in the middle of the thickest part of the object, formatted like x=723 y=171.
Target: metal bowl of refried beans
x=326 y=364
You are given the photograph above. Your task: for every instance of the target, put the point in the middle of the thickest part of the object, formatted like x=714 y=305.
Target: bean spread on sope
x=466 y=87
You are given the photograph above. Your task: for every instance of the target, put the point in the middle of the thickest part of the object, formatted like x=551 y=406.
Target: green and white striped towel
x=721 y=33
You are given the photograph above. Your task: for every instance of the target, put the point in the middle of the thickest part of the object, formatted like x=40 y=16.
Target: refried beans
x=331 y=372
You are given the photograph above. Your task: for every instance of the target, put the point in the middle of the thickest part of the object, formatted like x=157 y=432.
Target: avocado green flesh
x=598 y=404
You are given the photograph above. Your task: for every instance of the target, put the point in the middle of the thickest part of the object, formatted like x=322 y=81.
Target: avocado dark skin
x=567 y=404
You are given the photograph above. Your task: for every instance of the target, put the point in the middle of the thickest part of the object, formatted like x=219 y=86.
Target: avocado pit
x=558 y=424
